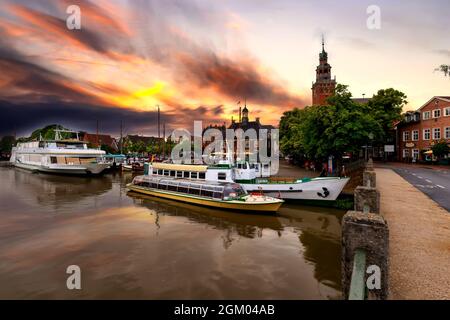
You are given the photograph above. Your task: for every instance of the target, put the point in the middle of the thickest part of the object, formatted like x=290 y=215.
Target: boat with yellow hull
x=229 y=196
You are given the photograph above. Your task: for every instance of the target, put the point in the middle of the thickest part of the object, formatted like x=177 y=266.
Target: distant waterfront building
x=245 y=124
x=324 y=86
x=421 y=129
x=98 y=140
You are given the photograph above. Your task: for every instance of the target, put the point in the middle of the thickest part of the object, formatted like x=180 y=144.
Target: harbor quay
x=395 y=228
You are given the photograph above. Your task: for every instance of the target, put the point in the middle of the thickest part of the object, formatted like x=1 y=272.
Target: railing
x=357 y=284
x=353 y=166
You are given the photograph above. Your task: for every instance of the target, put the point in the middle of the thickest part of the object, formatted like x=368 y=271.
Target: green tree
x=107 y=149
x=386 y=108
x=440 y=149
x=290 y=135
x=6 y=143
x=444 y=68
x=321 y=131
x=48 y=133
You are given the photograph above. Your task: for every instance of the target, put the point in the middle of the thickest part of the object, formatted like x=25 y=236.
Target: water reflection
x=136 y=246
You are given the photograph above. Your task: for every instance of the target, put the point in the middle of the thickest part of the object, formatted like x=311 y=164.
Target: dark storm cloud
x=21 y=74
x=23 y=117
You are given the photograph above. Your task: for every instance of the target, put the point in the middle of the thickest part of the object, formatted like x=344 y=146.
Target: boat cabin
x=215 y=190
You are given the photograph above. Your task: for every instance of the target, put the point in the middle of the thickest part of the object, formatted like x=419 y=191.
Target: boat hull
x=229 y=205
x=66 y=169
x=325 y=189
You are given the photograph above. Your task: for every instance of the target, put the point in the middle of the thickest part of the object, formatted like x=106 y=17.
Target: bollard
x=367 y=197
x=368 y=232
x=369 y=179
x=369 y=165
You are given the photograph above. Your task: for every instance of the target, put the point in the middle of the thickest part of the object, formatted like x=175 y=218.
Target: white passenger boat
x=221 y=195
x=59 y=156
x=251 y=179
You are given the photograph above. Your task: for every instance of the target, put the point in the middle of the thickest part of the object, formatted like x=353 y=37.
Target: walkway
x=419 y=239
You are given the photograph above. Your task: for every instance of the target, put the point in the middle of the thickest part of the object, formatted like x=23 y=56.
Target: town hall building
x=324 y=86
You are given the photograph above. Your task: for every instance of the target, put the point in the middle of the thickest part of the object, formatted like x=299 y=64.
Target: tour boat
x=70 y=156
x=223 y=195
x=252 y=180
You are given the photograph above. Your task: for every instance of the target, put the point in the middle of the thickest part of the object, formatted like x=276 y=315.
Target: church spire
x=323 y=55
x=323 y=43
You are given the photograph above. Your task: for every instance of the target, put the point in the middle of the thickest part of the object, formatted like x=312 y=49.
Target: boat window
x=186 y=174
x=194 y=175
x=173 y=186
x=162 y=185
x=194 y=189
x=160 y=172
x=172 y=173
x=233 y=191
x=179 y=174
x=207 y=193
x=201 y=175
x=155 y=171
x=183 y=188
x=222 y=176
x=53 y=160
x=166 y=172
x=217 y=195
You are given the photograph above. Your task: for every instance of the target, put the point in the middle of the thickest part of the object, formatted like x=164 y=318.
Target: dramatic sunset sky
x=197 y=58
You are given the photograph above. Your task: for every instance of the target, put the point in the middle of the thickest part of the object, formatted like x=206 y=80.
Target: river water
x=136 y=247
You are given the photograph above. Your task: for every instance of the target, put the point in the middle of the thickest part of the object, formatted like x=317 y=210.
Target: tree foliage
x=444 y=68
x=343 y=126
x=440 y=149
x=6 y=143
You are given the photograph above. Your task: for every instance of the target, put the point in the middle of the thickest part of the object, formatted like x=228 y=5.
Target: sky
x=197 y=59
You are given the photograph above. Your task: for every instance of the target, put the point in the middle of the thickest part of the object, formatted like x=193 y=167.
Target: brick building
x=420 y=129
x=324 y=85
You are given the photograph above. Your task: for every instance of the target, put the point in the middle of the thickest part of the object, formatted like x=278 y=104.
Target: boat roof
x=179 y=167
x=179 y=180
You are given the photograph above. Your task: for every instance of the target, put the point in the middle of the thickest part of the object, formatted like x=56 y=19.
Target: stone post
x=369 y=179
x=369 y=165
x=369 y=232
x=367 y=199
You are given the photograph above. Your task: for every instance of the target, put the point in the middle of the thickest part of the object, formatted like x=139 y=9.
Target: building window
x=415 y=135
x=436 y=113
x=447 y=112
x=415 y=154
x=426 y=134
x=406 y=135
x=426 y=115
x=405 y=153
x=447 y=133
x=436 y=133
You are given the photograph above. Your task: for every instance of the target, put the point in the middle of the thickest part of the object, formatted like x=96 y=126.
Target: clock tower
x=324 y=85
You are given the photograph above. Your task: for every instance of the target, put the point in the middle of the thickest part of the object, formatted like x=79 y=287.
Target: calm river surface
x=132 y=246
